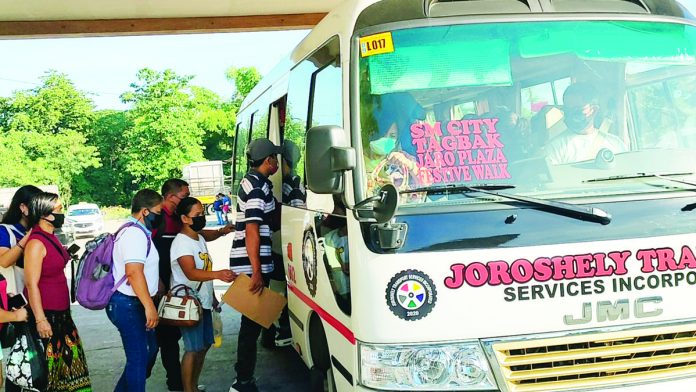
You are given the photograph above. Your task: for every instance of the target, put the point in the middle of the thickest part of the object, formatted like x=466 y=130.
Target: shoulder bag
x=180 y=307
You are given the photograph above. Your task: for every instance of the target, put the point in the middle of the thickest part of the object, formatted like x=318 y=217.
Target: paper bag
x=264 y=309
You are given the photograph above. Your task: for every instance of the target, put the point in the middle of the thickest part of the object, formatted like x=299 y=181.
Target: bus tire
x=209 y=209
x=321 y=372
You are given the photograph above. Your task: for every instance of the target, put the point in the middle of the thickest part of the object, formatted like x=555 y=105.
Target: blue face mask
x=152 y=220
x=383 y=146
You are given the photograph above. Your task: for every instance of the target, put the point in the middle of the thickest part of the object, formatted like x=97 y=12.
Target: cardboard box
x=264 y=309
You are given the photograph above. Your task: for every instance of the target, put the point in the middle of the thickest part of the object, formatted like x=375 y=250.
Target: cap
x=261 y=148
x=291 y=152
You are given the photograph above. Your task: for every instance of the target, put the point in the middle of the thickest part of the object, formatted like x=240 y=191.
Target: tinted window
x=304 y=77
x=260 y=127
x=240 y=161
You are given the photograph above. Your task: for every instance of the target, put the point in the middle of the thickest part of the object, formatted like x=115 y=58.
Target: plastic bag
x=26 y=364
x=217 y=327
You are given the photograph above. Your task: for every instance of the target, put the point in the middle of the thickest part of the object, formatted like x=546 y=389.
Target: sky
x=105 y=67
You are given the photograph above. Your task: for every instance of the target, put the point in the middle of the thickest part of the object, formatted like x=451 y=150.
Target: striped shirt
x=255 y=204
x=294 y=193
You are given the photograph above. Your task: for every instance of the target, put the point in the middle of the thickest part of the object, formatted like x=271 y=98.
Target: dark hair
x=257 y=163
x=185 y=205
x=585 y=91
x=145 y=198
x=41 y=205
x=172 y=186
x=22 y=196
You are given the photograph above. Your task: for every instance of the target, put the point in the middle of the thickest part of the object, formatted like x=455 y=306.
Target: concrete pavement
x=277 y=370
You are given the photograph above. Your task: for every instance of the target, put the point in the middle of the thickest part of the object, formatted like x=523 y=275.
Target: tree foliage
x=109 y=184
x=42 y=134
x=244 y=79
x=52 y=134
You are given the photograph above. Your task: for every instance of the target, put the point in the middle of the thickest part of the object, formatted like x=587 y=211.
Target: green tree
x=42 y=135
x=244 y=79
x=109 y=184
x=167 y=131
x=217 y=119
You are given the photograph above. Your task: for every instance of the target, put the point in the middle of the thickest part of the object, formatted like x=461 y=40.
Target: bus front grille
x=597 y=360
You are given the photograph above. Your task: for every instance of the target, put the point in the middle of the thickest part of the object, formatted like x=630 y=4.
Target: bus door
x=314 y=235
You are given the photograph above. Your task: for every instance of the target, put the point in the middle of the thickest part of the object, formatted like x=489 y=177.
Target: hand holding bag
x=180 y=307
x=26 y=364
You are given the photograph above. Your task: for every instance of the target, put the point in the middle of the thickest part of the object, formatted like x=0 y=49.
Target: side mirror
x=327 y=157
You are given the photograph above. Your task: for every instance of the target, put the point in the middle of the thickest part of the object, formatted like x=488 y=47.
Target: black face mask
x=576 y=120
x=198 y=223
x=153 y=220
x=58 y=220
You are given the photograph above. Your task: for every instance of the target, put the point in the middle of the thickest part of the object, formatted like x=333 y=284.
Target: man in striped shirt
x=251 y=248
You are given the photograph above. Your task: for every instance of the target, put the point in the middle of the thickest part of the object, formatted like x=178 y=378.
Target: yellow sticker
x=376 y=44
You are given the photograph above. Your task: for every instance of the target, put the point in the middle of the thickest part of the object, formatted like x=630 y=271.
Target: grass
x=115 y=212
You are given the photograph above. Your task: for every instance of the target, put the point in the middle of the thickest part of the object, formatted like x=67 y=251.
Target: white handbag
x=180 y=307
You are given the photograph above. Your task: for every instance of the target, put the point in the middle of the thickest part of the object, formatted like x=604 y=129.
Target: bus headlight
x=457 y=366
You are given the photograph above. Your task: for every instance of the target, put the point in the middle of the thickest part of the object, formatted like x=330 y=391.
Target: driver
x=582 y=140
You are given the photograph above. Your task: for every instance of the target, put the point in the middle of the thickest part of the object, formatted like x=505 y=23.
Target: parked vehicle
x=480 y=261
x=84 y=219
x=206 y=179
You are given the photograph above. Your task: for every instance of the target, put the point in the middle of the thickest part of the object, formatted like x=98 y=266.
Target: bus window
x=611 y=99
x=333 y=228
x=240 y=160
x=260 y=127
x=534 y=98
x=462 y=109
x=316 y=78
x=326 y=96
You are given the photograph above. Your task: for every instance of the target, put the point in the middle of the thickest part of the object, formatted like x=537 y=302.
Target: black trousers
x=249 y=332
x=10 y=387
x=168 y=340
x=279 y=275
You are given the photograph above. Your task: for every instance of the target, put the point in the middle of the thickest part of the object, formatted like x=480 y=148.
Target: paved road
x=277 y=370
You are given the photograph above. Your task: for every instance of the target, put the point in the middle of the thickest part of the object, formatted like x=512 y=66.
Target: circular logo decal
x=411 y=295
x=309 y=261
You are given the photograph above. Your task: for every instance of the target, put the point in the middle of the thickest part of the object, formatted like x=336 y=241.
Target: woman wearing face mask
x=136 y=276
x=13 y=235
x=49 y=298
x=192 y=267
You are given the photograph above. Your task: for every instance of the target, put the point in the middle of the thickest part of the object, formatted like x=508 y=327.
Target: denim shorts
x=200 y=337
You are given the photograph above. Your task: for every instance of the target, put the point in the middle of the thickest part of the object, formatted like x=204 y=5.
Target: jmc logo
x=612 y=311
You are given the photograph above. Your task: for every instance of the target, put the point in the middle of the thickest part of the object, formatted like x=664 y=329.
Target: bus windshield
x=563 y=109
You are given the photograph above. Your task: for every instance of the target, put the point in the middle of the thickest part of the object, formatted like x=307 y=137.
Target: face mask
x=198 y=223
x=383 y=146
x=153 y=220
x=58 y=220
x=274 y=167
x=576 y=120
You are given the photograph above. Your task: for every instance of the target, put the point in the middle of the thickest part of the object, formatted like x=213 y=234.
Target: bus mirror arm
x=383 y=206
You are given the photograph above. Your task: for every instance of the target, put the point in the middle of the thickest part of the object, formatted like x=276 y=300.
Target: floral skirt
x=67 y=366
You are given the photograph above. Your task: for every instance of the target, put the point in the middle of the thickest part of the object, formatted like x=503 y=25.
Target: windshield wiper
x=663 y=176
x=589 y=214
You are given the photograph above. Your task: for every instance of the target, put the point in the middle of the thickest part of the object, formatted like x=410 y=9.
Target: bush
x=115 y=212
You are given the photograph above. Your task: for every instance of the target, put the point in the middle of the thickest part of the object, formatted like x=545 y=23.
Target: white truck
x=206 y=179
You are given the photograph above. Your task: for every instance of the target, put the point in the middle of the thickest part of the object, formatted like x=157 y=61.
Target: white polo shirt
x=131 y=247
